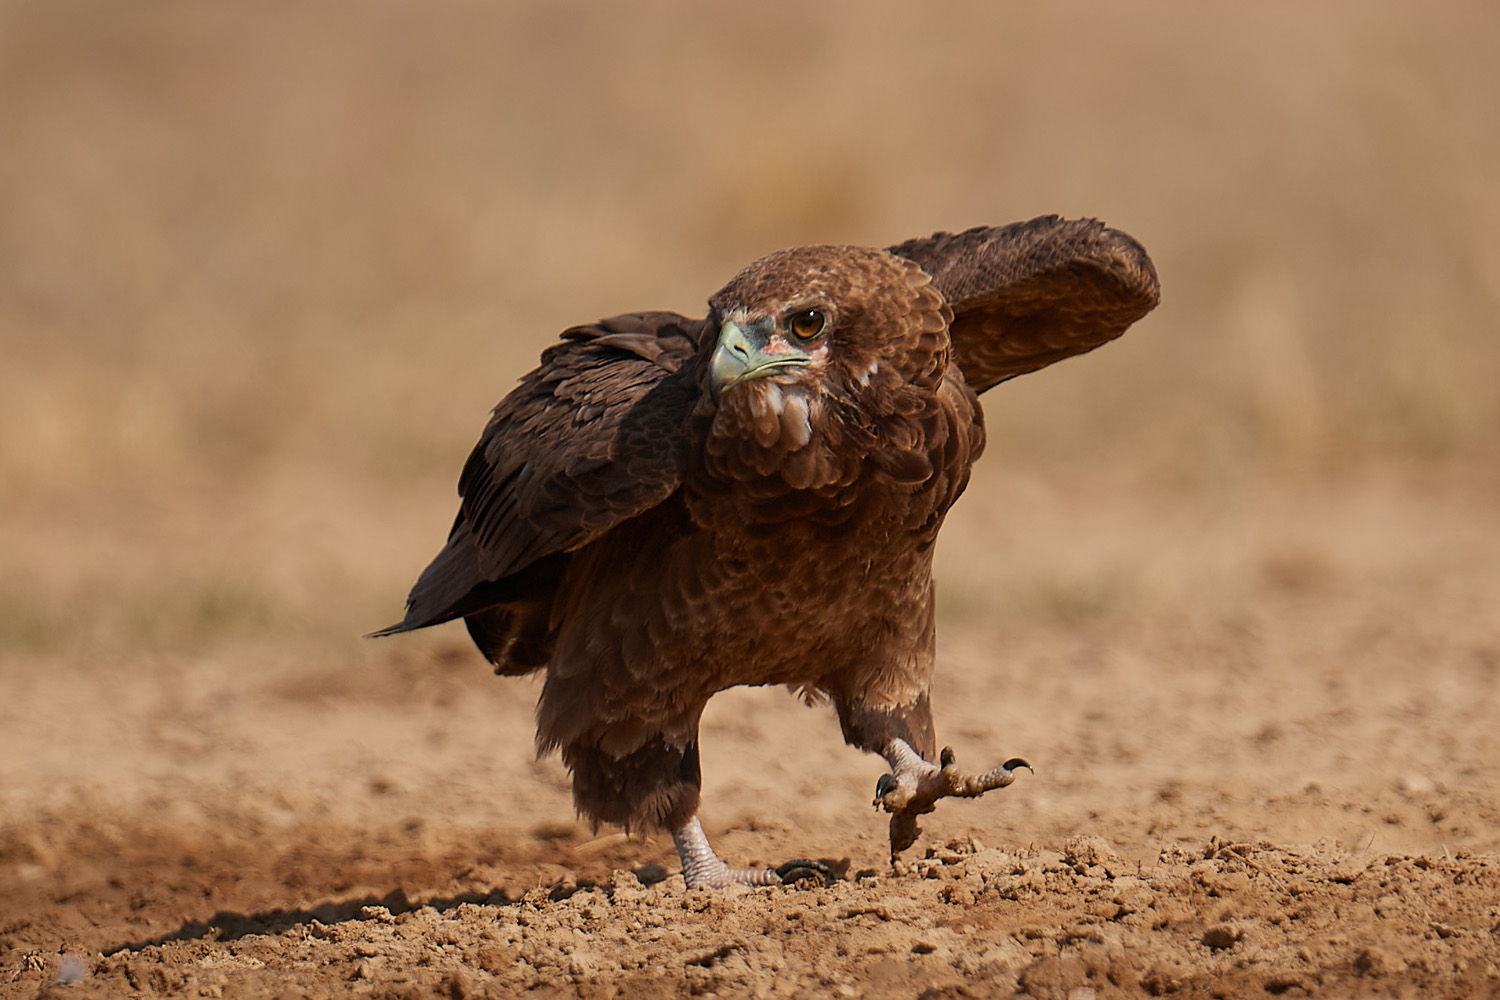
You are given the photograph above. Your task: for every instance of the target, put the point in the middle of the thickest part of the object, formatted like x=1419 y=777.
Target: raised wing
x=1032 y=293
x=594 y=435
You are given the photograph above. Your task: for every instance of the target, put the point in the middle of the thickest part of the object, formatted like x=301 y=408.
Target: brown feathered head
x=818 y=337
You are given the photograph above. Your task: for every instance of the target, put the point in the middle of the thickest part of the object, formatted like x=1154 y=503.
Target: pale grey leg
x=701 y=867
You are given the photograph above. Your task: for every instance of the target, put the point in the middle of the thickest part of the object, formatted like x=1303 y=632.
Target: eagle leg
x=701 y=867
x=914 y=786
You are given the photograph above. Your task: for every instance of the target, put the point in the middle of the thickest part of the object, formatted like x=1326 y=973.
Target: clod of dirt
x=1221 y=937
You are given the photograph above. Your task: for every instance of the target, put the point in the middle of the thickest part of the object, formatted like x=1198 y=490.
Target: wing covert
x=594 y=435
x=1033 y=293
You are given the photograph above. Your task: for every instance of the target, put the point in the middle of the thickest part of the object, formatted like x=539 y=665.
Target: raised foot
x=914 y=786
x=701 y=867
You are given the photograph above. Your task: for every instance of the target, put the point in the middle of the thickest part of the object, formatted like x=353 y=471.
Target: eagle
x=669 y=507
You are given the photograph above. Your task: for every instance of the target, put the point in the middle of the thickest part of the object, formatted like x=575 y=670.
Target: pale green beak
x=746 y=352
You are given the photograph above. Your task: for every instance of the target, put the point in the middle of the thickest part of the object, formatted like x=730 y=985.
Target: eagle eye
x=806 y=325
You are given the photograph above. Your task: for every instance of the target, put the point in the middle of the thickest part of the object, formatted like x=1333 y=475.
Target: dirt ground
x=1231 y=584
x=1282 y=786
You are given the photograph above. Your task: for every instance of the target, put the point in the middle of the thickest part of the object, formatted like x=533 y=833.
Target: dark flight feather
x=588 y=439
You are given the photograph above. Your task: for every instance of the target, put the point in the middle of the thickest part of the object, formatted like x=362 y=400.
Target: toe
x=806 y=870
x=904 y=832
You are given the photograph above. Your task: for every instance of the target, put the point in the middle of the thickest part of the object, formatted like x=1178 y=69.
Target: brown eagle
x=668 y=507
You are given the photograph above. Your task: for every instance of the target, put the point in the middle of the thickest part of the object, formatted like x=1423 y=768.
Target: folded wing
x=593 y=436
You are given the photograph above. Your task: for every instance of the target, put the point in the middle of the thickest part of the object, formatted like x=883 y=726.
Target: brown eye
x=807 y=324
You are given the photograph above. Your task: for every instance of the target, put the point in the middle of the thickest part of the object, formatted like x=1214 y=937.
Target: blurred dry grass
x=263 y=268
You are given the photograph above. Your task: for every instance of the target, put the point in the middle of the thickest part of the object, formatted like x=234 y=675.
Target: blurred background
x=265 y=268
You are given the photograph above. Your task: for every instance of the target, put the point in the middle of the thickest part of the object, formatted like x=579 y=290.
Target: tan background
x=264 y=268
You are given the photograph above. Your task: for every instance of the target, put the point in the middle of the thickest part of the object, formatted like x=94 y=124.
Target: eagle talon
x=805 y=870
x=914 y=785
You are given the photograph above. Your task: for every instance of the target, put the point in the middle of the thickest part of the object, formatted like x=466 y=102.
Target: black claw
x=1016 y=762
x=885 y=785
x=805 y=870
x=947 y=758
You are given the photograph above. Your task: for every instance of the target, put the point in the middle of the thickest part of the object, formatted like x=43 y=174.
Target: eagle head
x=809 y=350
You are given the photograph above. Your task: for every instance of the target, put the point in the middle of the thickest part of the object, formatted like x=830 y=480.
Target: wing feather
x=1032 y=293
x=593 y=436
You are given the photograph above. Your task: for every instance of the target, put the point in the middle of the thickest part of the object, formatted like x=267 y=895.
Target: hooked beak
x=753 y=351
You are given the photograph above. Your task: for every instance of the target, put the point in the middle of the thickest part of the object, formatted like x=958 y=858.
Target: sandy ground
x=1232 y=585
x=1262 y=725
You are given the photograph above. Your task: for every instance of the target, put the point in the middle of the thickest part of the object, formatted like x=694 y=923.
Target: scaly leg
x=914 y=786
x=701 y=867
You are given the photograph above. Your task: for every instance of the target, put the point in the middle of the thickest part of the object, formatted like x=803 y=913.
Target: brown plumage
x=668 y=507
